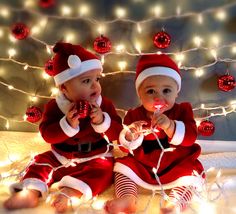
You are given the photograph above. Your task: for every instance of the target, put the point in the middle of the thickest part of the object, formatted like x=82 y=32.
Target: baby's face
x=83 y=87
x=158 y=89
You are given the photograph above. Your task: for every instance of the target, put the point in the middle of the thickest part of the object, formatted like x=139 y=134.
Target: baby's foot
x=126 y=204
x=169 y=208
x=61 y=201
x=22 y=199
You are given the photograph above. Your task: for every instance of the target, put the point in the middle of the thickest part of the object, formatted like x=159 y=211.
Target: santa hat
x=156 y=64
x=71 y=61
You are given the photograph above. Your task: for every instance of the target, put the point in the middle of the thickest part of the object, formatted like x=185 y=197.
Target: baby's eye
x=166 y=91
x=86 y=81
x=151 y=91
x=98 y=79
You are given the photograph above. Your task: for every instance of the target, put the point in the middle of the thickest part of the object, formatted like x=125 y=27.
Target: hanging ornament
x=34 y=114
x=20 y=31
x=226 y=82
x=102 y=44
x=48 y=67
x=206 y=128
x=83 y=108
x=162 y=39
x=46 y=3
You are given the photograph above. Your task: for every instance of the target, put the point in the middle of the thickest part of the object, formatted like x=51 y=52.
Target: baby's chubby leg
x=126 y=192
x=24 y=199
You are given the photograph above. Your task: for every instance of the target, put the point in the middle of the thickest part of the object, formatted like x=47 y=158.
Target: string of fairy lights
x=83 y=12
x=156 y=12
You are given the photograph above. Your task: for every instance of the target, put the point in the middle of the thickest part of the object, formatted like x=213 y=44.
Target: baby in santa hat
x=160 y=140
x=75 y=124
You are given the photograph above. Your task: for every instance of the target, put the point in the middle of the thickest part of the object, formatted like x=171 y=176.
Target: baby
x=158 y=83
x=74 y=124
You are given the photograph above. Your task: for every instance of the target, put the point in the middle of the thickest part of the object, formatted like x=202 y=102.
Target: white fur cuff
x=68 y=130
x=104 y=125
x=178 y=136
x=130 y=145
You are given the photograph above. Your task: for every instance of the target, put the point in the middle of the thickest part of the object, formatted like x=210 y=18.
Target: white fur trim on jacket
x=130 y=145
x=68 y=130
x=77 y=184
x=100 y=128
x=179 y=133
x=195 y=181
x=76 y=71
x=158 y=70
x=31 y=183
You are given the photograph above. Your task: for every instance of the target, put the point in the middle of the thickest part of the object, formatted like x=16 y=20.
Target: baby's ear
x=62 y=87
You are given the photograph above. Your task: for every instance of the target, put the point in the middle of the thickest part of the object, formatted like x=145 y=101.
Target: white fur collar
x=63 y=103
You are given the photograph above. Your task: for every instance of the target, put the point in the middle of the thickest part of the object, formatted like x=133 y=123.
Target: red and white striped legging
x=124 y=186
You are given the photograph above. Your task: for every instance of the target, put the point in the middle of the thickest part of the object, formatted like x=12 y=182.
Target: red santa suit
x=179 y=165
x=92 y=169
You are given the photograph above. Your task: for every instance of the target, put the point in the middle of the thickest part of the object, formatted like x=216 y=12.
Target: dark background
x=119 y=87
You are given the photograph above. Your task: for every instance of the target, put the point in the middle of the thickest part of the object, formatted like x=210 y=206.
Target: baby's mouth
x=94 y=94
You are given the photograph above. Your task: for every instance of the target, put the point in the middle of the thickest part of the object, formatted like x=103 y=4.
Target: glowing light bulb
x=214 y=53
x=179 y=57
x=178 y=10
x=120 y=12
x=45 y=76
x=215 y=40
x=200 y=19
x=221 y=15
x=84 y=10
x=4 y=12
x=70 y=37
x=7 y=125
x=157 y=10
x=33 y=99
x=233 y=50
x=29 y=3
x=139 y=28
x=26 y=67
x=122 y=65
x=197 y=40
x=120 y=48
x=101 y=29
x=1 y=33
x=12 y=38
x=199 y=72
x=35 y=30
x=10 y=87
x=138 y=47
x=54 y=91
x=65 y=10
x=25 y=117
x=11 y=52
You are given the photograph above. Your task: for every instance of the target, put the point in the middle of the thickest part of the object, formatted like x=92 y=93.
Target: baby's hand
x=72 y=116
x=96 y=114
x=135 y=129
x=160 y=121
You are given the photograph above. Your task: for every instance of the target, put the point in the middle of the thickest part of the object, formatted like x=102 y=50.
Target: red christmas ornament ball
x=48 y=67
x=206 y=128
x=83 y=108
x=46 y=3
x=162 y=40
x=102 y=44
x=34 y=114
x=20 y=31
x=226 y=83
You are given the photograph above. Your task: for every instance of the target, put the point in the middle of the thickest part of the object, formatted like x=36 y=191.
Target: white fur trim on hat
x=76 y=71
x=158 y=70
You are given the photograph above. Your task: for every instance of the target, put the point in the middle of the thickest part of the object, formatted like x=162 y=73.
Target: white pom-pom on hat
x=74 y=61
